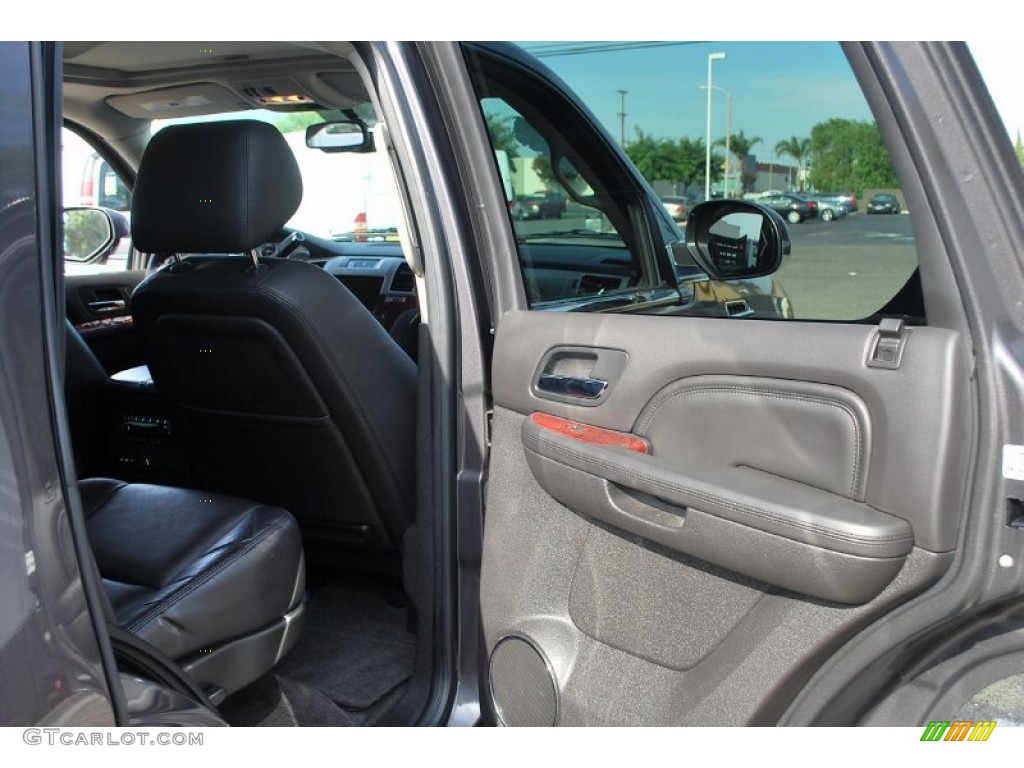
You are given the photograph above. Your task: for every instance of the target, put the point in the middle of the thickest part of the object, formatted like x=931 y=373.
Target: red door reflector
x=587 y=433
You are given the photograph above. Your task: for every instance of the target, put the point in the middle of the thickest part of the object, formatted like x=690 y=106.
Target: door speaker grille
x=522 y=686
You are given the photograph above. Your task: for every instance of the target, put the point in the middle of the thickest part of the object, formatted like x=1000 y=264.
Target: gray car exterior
x=830 y=208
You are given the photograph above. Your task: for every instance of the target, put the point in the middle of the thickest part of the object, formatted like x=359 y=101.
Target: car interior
x=244 y=418
x=253 y=424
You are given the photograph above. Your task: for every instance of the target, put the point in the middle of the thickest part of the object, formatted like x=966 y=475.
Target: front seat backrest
x=289 y=391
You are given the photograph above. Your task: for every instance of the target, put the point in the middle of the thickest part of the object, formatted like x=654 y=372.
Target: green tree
x=542 y=167
x=692 y=156
x=679 y=161
x=296 y=121
x=655 y=158
x=798 y=149
x=1020 y=148
x=850 y=155
x=739 y=147
x=503 y=136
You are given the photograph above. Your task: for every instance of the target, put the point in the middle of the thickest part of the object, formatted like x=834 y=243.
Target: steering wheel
x=284 y=249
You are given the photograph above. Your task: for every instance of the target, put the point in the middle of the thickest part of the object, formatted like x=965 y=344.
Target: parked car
x=541 y=205
x=883 y=203
x=253 y=487
x=846 y=199
x=830 y=208
x=795 y=208
x=677 y=207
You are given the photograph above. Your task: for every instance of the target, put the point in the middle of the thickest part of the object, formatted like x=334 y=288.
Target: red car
x=677 y=207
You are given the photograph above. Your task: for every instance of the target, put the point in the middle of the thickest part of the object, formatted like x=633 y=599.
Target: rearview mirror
x=339 y=136
x=91 y=234
x=733 y=239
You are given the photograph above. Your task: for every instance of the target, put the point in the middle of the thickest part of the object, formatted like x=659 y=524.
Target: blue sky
x=779 y=89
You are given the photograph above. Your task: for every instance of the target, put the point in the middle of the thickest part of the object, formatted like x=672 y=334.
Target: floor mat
x=347 y=668
x=354 y=647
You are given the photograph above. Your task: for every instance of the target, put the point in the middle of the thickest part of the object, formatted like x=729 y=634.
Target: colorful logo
x=958 y=730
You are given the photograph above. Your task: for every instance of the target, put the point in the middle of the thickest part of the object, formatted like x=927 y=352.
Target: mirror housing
x=733 y=240
x=92 y=234
x=340 y=136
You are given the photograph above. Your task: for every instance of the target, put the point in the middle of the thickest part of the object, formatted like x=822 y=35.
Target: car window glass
x=579 y=233
x=90 y=182
x=345 y=195
x=569 y=247
x=800 y=133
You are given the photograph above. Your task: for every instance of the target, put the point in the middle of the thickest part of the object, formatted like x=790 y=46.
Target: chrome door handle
x=581 y=387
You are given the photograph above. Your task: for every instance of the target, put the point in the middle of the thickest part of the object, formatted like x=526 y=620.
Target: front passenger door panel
x=99 y=306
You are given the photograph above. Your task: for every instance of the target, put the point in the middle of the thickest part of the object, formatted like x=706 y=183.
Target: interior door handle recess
x=767 y=527
x=578 y=375
x=582 y=387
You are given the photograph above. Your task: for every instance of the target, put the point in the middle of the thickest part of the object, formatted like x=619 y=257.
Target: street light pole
x=728 y=144
x=728 y=135
x=622 y=119
x=712 y=57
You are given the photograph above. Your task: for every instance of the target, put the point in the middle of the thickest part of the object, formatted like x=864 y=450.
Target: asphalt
x=848 y=268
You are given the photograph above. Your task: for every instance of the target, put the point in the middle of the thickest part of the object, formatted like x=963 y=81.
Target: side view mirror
x=733 y=239
x=92 y=234
x=339 y=136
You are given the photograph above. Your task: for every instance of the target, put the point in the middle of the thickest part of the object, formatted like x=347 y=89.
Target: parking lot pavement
x=849 y=268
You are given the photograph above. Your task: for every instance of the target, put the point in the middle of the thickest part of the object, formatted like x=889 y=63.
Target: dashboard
x=375 y=272
x=559 y=271
x=383 y=284
x=574 y=269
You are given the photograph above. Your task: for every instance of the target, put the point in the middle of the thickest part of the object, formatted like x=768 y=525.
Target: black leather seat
x=289 y=391
x=212 y=582
x=85 y=395
x=215 y=583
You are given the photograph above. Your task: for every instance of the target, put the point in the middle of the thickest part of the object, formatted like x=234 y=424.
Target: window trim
x=547 y=95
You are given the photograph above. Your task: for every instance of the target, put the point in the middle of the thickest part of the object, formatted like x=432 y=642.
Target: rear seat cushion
x=188 y=571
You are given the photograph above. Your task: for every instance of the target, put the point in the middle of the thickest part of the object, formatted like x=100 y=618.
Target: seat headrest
x=223 y=187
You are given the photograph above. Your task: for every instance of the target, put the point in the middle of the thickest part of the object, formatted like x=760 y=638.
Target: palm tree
x=799 y=150
x=740 y=146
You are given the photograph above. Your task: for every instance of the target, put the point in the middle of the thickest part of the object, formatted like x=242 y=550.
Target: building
x=773 y=175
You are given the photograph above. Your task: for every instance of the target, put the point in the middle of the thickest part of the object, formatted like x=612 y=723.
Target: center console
x=143 y=445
